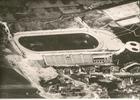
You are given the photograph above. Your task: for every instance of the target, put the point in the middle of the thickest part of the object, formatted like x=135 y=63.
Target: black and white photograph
x=69 y=49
